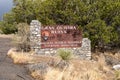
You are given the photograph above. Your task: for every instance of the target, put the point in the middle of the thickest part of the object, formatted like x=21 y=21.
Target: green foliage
x=7 y=28
x=116 y=25
x=99 y=19
x=65 y=54
x=8 y=25
x=99 y=33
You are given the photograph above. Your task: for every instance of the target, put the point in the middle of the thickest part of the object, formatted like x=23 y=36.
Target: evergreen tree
x=99 y=19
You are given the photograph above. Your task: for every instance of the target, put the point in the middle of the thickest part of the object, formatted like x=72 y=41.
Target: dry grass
x=19 y=57
x=82 y=70
x=77 y=69
x=115 y=56
x=71 y=74
x=117 y=75
x=6 y=36
x=29 y=57
x=37 y=75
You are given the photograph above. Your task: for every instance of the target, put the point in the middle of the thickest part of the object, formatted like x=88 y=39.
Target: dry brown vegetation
x=76 y=70
x=19 y=57
x=6 y=36
x=25 y=57
x=21 y=38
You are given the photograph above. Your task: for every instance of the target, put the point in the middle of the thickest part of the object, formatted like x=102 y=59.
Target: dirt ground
x=8 y=70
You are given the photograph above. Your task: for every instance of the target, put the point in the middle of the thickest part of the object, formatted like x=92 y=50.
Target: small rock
x=116 y=67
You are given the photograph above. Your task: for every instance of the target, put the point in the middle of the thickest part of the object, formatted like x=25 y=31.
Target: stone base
x=83 y=52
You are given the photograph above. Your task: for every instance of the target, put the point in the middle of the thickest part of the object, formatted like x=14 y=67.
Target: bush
x=7 y=28
x=65 y=54
x=22 y=41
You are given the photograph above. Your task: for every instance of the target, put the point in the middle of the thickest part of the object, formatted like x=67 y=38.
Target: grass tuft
x=64 y=54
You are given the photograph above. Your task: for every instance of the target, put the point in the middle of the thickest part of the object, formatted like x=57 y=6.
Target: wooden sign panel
x=61 y=36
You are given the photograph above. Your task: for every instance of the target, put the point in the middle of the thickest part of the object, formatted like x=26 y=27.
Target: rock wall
x=35 y=35
x=83 y=52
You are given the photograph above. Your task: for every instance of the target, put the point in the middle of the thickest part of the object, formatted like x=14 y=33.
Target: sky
x=5 y=6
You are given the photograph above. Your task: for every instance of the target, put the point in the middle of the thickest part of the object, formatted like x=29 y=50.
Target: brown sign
x=60 y=36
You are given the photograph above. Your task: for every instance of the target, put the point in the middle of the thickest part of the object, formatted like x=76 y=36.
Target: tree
x=100 y=34
x=99 y=19
x=116 y=25
x=8 y=25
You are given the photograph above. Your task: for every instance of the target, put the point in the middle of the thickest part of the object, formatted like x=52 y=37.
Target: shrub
x=65 y=54
x=22 y=38
x=7 y=28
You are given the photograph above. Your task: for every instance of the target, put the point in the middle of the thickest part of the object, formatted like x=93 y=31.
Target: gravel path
x=8 y=70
